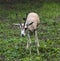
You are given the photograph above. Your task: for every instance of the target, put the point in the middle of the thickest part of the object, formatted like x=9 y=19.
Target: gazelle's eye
x=25 y=28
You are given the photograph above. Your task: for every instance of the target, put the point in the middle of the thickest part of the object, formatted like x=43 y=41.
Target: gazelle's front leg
x=29 y=42
x=36 y=41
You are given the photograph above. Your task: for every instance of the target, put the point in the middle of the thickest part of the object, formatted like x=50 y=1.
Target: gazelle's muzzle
x=23 y=32
x=22 y=35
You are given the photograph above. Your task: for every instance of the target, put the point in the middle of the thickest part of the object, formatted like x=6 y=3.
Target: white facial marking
x=22 y=29
x=23 y=32
x=25 y=26
x=22 y=24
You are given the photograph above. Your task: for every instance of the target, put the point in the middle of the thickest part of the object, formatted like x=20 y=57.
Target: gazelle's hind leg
x=36 y=41
x=29 y=42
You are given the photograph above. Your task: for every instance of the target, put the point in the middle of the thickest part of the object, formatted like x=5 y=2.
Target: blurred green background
x=13 y=46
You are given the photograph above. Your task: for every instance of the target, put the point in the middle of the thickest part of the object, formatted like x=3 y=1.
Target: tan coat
x=32 y=17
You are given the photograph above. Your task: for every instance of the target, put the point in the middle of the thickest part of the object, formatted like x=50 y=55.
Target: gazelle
x=31 y=24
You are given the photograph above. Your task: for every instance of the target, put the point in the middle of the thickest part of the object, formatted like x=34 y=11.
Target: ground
x=13 y=46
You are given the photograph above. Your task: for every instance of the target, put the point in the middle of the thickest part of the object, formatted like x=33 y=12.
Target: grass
x=13 y=46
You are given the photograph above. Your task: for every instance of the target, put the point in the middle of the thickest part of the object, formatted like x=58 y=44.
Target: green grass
x=13 y=46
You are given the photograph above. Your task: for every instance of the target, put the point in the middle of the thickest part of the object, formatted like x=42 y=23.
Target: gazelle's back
x=32 y=17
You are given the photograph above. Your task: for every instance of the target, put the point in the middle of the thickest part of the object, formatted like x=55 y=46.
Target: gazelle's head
x=23 y=28
x=23 y=31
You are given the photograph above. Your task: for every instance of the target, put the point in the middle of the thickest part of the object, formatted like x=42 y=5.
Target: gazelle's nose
x=23 y=35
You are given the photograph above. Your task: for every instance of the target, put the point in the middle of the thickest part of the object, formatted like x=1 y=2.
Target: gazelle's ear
x=16 y=24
